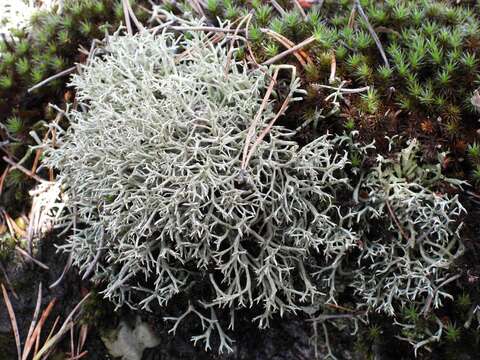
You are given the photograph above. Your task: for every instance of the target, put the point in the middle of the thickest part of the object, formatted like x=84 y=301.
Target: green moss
x=370 y=102
x=6 y=82
x=14 y=125
x=23 y=67
x=474 y=151
x=9 y=58
x=22 y=47
x=452 y=333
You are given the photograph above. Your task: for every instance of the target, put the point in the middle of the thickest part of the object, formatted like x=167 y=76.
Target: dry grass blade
x=35 y=338
x=53 y=340
x=33 y=323
x=13 y=321
x=82 y=338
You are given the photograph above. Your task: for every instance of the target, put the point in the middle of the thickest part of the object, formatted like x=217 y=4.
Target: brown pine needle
x=26 y=350
x=266 y=130
x=79 y=356
x=137 y=23
x=277 y=7
x=82 y=338
x=52 y=341
x=247 y=43
x=56 y=76
x=232 y=42
x=396 y=221
x=299 y=54
x=290 y=50
x=13 y=322
x=35 y=338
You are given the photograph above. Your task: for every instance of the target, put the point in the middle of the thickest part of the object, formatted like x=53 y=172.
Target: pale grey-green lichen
x=411 y=234
x=153 y=171
x=162 y=202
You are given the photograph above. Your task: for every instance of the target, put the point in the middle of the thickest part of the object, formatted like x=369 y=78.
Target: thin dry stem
x=300 y=9
x=372 y=33
x=288 y=44
x=290 y=51
x=56 y=76
x=13 y=322
x=126 y=13
x=251 y=130
x=29 y=257
x=24 y=170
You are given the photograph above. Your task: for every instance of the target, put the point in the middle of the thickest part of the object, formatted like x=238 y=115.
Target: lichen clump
x=154 y=170
x=170 y=198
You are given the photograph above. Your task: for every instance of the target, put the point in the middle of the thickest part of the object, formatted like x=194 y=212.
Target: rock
x=129 y=343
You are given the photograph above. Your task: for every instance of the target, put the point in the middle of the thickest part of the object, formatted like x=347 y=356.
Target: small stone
x=129 y=343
